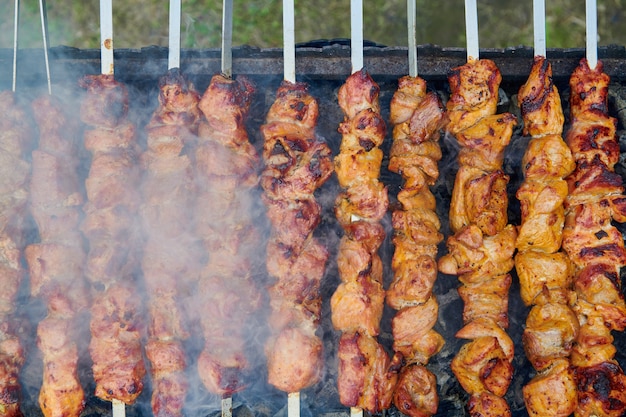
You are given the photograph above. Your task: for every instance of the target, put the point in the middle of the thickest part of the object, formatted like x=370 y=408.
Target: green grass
x=138 y=23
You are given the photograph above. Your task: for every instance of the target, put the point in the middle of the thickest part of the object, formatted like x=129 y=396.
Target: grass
x=137 y=23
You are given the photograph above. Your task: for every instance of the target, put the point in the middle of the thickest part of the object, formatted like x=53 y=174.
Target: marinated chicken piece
x=474 y=88
x=540 y=102
x=594 y=245
x=16 y=142
x=538 y=271
x=486 y=404
x=551 y=330
x=109 y=225
x=366 y=375
x=552 y=392
x=171 y=257
x=412 y=332
x=365 y=379
x=482 y=366
x=480 y=252
x=226 y=172
x=546 y=275
x=56 y=262
x=415 y=394
x=296 y=163
x=487 y=298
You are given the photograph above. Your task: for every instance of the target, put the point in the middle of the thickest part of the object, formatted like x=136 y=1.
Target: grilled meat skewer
x=56 y=263
x=545 y=273
x=16 y=141
x=596 y=247
x=417 y=116
x=297 y=162
x=171 y=256
x=480 y=251
x=226 y=174
x=111 y=229
x=366 y=374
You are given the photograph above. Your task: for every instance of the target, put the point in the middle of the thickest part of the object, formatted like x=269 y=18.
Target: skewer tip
x=293 y=404
x=227 y=407
x=119 y=408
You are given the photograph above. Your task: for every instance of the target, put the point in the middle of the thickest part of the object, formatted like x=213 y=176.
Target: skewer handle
x=119 y=408
x=106 y=37
x=293 y=404
x=539 y=27
x=591 y=15
x=16 y=20
x=227 y=38
x=289 y=41
x=356 y=412
x=173 y=57
x=44 y=33
x=412 y=27
x=227 y=407
x=471 y=29
x=356 y=33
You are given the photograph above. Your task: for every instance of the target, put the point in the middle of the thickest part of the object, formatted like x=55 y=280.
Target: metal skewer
x=356 y=58
x=289 y=41
x=16 y=20
x=539 y=27
x=227 y=38
x=107 y=68
x=356 y=35
x=106 y=37
x=412 y=27
x=591 y=14
x=173 y=57
x=44 y=33
x=289 y=57
x=471 y=29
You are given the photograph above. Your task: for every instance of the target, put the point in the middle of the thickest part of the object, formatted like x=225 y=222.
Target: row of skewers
x=198 y=155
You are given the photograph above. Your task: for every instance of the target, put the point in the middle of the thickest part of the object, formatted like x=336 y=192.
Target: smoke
x=259 y=398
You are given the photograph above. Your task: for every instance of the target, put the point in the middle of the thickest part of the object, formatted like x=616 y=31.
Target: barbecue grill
x=324 y=64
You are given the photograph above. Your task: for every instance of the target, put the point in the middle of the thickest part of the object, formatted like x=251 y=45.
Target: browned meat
x=481 y=250
x=296 y=163
x=109 y=225
x=365 y=378
x=594 y=245
x=56 y=263
x=171 y=261
x=226 y=172
x=16 y=141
